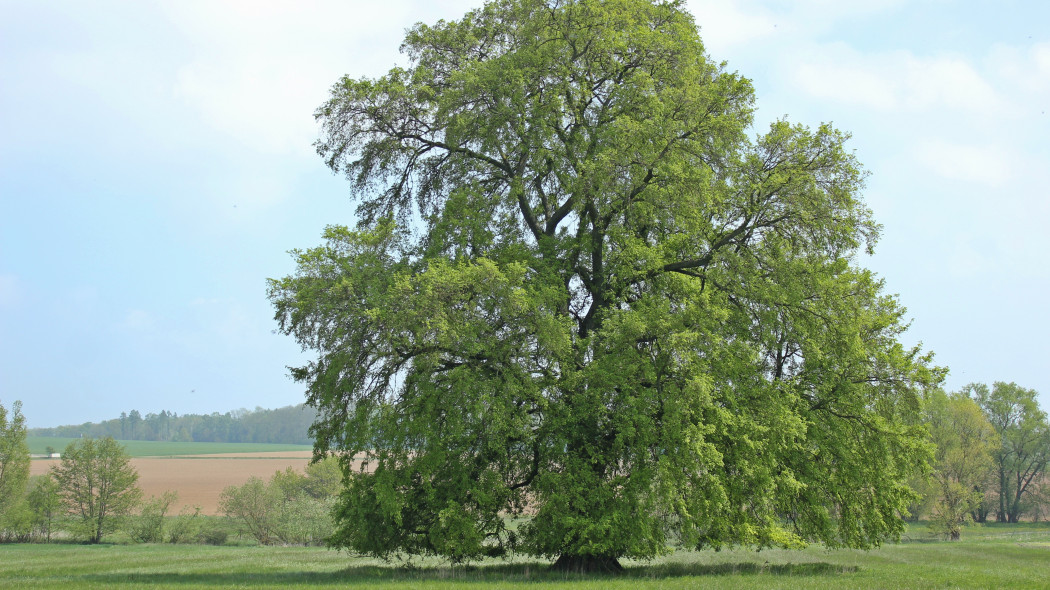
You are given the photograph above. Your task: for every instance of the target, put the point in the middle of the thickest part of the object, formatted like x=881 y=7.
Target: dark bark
x=587 y=564
x=1001 y=516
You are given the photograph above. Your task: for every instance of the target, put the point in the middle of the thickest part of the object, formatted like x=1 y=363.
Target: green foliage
x=1024 y=453
x=186 y=526
x=213 y=535
x=962 y=463
x=579 y=294
x=148 y=525
x=281 y=511
x=45 y=503
x=14 y=473
x=288 y=483
x=251 y=506
x=98 y=486
x=324 y=478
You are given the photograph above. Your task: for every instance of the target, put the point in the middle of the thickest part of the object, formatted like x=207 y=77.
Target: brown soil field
x=199 y=479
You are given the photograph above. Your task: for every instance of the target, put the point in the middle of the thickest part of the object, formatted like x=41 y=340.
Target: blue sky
x=156 y=165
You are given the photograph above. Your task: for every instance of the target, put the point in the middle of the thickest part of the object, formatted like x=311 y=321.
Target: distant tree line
x=287 y=425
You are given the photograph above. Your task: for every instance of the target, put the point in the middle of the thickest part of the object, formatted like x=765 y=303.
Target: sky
x=156 y=166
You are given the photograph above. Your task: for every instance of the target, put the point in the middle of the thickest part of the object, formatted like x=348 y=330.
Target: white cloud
x=989 y=165
x=725 y=24
x=262 y=68
x=897 y=81
x=847 y=83
x=266 y=106
x=1026 y=71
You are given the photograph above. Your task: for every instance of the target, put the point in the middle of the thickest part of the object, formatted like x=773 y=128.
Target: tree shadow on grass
x=490 y=573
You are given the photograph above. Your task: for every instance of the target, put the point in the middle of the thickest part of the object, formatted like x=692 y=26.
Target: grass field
x=145 y=448
x=995 y=556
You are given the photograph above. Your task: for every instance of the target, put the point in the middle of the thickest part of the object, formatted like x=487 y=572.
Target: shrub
x=213 y=536
x=280 y=511
x=186 y=527
x=45 y=503
x=148 y=526
x=252 y=507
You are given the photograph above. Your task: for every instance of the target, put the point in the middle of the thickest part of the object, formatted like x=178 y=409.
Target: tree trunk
x=1001 y=517
x=587 y=564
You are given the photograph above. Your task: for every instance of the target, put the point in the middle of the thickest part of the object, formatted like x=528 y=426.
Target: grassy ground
x=144 y=448
x=996 y=556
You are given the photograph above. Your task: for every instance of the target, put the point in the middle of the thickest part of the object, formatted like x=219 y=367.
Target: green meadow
x=990 y=556
x=145 y=448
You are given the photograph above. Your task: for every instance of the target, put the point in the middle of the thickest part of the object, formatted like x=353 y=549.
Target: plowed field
x=199 y=479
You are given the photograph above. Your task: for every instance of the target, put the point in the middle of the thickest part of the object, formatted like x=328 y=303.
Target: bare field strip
x=200 y=479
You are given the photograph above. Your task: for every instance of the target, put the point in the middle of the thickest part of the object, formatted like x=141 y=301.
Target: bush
x=16 y=524
x=251 y=506
x=213 y=536
x=186 y=527
x=45 y=503
x=148 y=526
x=324 y=479
x=284 y=510
x=304 y=521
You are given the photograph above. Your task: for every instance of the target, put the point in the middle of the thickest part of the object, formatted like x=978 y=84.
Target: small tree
x=45 y=502
x=186 y=526
x=14 y=470
x=1024 y=452
x=281 y=511
x=965 y=442
x=148 y=526
x=251 y=505
x=98 y=485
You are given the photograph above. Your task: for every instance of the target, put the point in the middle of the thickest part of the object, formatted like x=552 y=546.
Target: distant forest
x=287 y=425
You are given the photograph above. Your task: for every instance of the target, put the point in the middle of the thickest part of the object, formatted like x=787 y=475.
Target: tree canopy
x=97 y=484
x=962 y=462
x=1024 y=450
x=14 y=467
x=581 y=293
